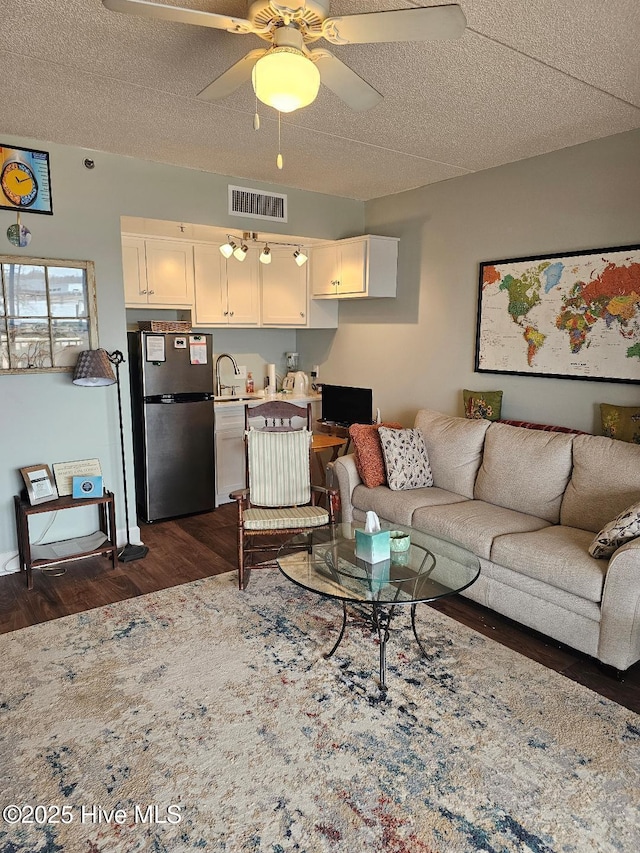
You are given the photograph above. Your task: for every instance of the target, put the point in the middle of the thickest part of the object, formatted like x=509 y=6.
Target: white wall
x=45 y=418
x=419 y=350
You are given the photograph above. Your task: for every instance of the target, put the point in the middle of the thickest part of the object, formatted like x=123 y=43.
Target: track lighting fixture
x=227 y=248
x=240 y=252
x=300 y=257
x=240 y=248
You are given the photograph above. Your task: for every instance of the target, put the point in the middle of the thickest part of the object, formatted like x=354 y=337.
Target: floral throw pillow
x=621 y=422
x=614 y=534
x=482 y=404
x=405 y=458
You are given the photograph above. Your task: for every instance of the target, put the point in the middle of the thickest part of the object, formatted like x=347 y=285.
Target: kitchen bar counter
x=253 y=399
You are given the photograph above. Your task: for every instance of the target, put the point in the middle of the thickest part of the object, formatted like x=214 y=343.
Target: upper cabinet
x=226 y=290
x=356 y=268
x=284 y=290
x=157 y=272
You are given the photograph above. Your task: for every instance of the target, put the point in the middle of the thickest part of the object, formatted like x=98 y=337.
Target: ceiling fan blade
x=425 y=24
x=233 y=77
x=347 y=85
x=147 y=9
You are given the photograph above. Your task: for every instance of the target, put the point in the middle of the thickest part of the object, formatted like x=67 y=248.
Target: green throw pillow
x=621 y=422
x=482 y=404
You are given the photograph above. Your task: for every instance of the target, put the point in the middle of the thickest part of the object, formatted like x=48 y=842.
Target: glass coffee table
x=431 y=568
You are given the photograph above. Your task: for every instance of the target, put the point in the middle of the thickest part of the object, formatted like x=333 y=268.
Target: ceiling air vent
x=244 y=201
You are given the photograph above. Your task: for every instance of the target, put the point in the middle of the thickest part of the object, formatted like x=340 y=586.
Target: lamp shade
x=284 y=78
x=93 y=368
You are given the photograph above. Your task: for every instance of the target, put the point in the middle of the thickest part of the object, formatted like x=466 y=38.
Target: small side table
x=325 y=442
x=106 y=507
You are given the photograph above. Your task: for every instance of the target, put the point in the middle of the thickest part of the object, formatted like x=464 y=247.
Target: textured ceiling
x=527 y=77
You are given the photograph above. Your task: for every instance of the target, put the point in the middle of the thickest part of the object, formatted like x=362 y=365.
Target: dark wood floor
x=199 y=546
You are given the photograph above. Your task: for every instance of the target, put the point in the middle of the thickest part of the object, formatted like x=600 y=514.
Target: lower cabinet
x=229 y=450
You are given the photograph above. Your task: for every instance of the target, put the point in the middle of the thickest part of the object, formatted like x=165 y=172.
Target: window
x=47 y=313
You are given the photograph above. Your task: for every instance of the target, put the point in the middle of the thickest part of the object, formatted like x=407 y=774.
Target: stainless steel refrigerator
x=173 y=423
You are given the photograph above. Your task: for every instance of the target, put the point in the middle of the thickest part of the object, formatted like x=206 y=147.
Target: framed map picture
x=567 y=315
x=25 y=180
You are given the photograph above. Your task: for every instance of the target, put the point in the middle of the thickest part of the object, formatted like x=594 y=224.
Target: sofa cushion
x=623 y=528
x=368 y=452
x=454 y=447
x=557 y=555
x=474 y=524
x=605 y=481
x=405 y=458
x=400 y=506
x=525 y=470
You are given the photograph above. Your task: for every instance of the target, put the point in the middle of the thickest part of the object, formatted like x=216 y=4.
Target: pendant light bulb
x=240 y=252
x=300 y=257
x=265 y=255
x=279 y=162
x=256 y=121
x=227 y=248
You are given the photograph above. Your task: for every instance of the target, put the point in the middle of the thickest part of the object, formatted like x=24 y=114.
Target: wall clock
x=25 y=182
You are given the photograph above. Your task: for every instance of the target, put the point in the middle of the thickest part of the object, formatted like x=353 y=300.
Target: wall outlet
x=242 y=371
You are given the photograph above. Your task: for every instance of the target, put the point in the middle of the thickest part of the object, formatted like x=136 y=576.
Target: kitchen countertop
x=244 y=399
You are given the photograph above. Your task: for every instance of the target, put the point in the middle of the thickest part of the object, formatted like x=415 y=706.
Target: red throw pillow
x=368 y=452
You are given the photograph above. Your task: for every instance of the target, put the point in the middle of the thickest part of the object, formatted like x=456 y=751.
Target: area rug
x=204 y=718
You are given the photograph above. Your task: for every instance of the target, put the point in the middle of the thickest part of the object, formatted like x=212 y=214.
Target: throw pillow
x=621 y=422
x=368 y=453
x=623 y=528
x=482 y=404
x=405 y=458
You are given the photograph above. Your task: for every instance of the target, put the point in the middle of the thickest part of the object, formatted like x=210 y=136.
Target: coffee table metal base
x=381 y=617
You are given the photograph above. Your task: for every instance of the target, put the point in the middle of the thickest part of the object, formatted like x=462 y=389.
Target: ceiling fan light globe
x=285 y=79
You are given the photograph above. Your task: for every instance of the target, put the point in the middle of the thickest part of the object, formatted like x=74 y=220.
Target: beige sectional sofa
x=528 y=503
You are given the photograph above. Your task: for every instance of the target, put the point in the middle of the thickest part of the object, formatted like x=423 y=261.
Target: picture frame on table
x=567 y=315
x=39 y=483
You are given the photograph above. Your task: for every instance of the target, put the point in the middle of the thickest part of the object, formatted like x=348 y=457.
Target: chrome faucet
x=236 y=370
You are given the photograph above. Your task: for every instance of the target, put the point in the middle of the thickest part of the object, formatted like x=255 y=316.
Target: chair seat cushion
x=290 y=518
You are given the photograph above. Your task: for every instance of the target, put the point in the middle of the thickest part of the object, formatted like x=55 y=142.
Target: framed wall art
x=25 y=180
x=570 y=315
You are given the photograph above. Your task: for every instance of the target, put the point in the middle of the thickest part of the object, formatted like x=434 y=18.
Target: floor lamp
x=93 y=368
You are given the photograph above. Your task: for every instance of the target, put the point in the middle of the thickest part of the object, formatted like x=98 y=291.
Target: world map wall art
x=566 y=315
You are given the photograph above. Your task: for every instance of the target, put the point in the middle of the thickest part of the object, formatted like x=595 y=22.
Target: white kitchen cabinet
x=226 y=289
x=355 y=268
x=157 y=272
x=229 y=451
x=283 y=287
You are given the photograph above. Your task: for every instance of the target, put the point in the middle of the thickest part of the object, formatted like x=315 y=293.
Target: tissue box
x=373 y=547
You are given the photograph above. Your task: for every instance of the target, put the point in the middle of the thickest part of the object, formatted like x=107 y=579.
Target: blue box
x=373 y=547
x=87 y=487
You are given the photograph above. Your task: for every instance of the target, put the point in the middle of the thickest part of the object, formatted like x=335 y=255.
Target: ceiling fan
x=287 y=75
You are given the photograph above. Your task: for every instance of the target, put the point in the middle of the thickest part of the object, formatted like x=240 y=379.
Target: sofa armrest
x=344 y=468
x=620 y=608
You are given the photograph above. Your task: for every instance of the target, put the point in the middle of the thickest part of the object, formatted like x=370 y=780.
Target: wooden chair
x=279 y=498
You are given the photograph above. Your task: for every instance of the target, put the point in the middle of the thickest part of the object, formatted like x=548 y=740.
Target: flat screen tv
x=344 y=406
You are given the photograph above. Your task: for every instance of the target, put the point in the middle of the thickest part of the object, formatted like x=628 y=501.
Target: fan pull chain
x=256 y=118
x=279 y=162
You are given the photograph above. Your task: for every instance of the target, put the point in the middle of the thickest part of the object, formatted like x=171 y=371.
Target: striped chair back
x=279 y=467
